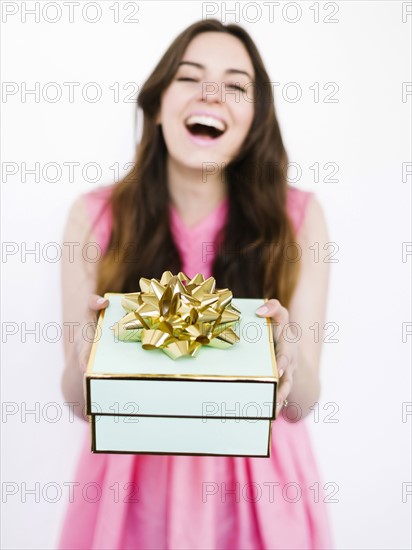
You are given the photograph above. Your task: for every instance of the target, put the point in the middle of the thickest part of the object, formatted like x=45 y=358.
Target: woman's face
x=205 y=117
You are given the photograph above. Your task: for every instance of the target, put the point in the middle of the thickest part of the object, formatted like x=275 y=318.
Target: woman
x=210 y=170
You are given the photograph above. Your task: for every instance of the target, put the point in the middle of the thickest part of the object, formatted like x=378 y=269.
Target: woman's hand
x=286 y=351
x=84 y=346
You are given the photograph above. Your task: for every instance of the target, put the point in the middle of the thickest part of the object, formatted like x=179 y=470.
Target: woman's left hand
x=286 y=350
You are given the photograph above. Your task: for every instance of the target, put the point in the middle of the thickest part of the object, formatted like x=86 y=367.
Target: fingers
x=284 y=388
x=96 y=302
x=83 y=341
x=285 y=350
x=279 y=316
x=273 y=308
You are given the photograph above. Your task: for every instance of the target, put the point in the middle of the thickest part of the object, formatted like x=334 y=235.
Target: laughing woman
x=207 y=102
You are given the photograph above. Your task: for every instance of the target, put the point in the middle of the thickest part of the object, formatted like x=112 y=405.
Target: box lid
x=243 y=374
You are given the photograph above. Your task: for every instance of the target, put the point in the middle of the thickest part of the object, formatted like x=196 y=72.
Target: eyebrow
x=228 y=71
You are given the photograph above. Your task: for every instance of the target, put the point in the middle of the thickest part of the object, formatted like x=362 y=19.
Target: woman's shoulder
x=97 y=198
x=297 y=203
x=94 y=205
x=306 y=213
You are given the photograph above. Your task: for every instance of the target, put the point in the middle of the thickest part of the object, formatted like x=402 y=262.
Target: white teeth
x=206 y=121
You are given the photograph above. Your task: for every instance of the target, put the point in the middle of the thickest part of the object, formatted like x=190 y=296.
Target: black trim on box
x=166 y=378
x=100 y=451
x=175 y=454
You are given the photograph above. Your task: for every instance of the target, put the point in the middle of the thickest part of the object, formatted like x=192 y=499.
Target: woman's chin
x=209 y=162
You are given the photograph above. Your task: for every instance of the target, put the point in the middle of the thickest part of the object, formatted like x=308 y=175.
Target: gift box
x=218 y=400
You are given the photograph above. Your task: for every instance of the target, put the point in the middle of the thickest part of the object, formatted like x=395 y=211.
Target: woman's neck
x=194 y=193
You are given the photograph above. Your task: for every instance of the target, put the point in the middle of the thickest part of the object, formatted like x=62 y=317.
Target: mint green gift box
x=219 y=403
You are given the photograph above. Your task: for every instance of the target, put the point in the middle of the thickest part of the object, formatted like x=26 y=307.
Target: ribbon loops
x=179 y=315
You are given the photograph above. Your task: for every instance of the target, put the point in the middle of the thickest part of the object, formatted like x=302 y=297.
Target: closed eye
x=233 y=86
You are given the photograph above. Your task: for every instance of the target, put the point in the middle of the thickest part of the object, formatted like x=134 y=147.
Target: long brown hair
x=252 y=259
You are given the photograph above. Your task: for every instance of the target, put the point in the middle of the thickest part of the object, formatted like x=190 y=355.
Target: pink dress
x=191 y=502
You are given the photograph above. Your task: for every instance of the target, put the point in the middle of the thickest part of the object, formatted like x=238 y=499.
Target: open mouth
x=204 y=131
x=205 y=126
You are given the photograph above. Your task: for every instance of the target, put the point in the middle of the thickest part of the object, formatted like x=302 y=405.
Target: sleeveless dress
x=194 y=502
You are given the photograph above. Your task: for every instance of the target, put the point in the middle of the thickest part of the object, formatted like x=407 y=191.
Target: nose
x=210 y=92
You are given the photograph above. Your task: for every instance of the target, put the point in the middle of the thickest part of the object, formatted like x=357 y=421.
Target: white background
x=367 y=133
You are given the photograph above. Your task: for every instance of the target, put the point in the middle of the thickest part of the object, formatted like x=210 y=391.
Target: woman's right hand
x=84 y=345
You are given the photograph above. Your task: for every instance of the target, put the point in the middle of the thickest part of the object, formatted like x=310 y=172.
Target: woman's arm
x=308 y=307
x=78 y=277
x=298 y=330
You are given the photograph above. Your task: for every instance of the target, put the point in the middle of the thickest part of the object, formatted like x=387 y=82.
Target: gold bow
x=178 y=315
